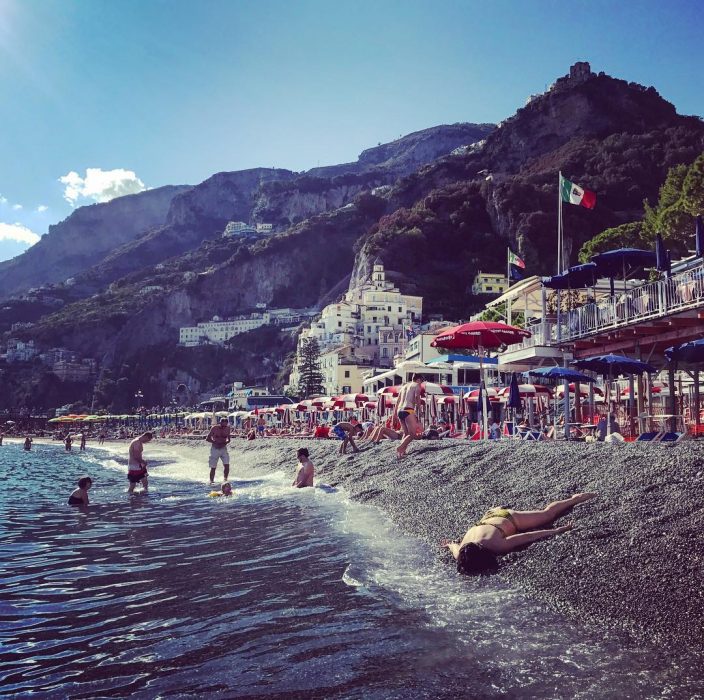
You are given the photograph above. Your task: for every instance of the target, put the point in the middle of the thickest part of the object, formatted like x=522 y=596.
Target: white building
x=20 y=351
x=218 y=330
x=264 y=228
x=367 y=328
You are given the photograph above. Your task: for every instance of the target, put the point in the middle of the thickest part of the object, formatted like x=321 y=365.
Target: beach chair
x=474 y=432
x=648 y=437
x=671 y=437
x=533 y=435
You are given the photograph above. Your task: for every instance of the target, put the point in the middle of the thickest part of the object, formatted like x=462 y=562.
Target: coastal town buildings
x=218 y=331
x=240 y=228
x=489 y=283
x=367 y=328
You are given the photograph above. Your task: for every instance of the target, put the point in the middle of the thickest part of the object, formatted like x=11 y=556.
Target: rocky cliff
x=85 y=238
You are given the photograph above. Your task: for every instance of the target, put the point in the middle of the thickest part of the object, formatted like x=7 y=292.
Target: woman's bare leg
x=532 y=519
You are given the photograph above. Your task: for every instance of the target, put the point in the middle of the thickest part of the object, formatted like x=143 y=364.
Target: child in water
x=79 y=497
x=225 y=490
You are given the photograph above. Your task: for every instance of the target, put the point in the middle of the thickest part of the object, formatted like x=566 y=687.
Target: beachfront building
x=489 y=283
x=370 y=326
x=218 y=331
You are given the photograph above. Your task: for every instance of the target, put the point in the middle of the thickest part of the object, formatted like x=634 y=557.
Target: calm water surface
x=272 y=593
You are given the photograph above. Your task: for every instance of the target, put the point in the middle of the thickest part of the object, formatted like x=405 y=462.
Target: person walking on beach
x=137 y=466
x=305 y=470
x=79 y=497
x=504 y=530
x=218 y=437
x=406 y=411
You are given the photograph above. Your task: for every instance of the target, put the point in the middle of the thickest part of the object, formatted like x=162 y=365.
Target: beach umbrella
x=576 y=277
x=662 y=257
x=699 y=237
x=582 y=391
x=480 y=336
x=615 y=262
x=436 y=389
x=610 y=366
x=393 y=390
x=514 y=393
x=692 y=354
x=687 y=353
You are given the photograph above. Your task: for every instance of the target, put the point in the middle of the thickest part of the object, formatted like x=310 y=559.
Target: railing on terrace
x=652 y=300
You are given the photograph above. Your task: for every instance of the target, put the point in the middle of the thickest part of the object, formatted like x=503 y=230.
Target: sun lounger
x=533 y=435
x=671 y=437
x=648 y=437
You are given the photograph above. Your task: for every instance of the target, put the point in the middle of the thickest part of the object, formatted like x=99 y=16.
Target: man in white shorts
x=218 y=437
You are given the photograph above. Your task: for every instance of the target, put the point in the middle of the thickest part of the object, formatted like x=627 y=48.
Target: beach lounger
x=648 y=437
x=533 y=435
x=671 y=437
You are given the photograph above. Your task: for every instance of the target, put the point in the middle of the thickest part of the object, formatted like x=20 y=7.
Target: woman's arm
x=514 y=542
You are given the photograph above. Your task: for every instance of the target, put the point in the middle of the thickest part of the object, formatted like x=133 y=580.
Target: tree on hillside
x=311 y=378
x=624 y=236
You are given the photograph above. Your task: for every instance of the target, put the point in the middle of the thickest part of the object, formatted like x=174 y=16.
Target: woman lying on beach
x=503 y=530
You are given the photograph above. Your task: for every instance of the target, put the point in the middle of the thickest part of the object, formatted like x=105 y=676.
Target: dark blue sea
x=273 y=593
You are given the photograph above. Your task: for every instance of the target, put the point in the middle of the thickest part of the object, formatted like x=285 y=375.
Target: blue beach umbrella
x=687 y=353
x=559 y=374
x=514 y=393
x=615 y=262
x=613 y=365
x=577 y=277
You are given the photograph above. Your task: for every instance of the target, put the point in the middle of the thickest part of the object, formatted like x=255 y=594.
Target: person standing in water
x=406 y=410
x=79 y=497
x=28 y=443
x=83 y=441
x=218 y=437
x=137 y=466
x=68 y=441
x=305 y=470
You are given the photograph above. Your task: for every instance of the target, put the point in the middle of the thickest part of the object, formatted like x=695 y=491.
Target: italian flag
x=513 y=259
x=574 y=194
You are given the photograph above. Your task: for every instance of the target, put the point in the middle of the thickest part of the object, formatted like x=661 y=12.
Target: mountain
x=85 y=238
x=98 y=244
x=434 y=227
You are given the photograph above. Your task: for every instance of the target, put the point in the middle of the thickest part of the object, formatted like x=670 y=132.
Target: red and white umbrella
x=583 y=390
x=437 y=389
x=491 y=394
x=526 y=390
x=480 y=336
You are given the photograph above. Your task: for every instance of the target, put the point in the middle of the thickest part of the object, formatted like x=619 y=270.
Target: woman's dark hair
x=84 y=481
x=473 y=559
x=302 y=451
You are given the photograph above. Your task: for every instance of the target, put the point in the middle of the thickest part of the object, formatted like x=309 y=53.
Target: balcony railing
x=653 y=300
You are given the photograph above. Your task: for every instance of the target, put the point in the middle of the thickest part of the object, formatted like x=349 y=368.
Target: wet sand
x=633 y=563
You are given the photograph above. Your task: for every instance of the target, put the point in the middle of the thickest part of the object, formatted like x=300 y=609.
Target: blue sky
x=172 y=91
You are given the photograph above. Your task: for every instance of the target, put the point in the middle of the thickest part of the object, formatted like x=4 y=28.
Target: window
x=347 y=374
x=489 y=288
x=388 y=308
x=339 y=324
x=400 y=309
x=369 y=329
x=373 y=319
x=384 y=352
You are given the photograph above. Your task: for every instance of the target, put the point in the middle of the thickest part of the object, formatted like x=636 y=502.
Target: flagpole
x=559 y=222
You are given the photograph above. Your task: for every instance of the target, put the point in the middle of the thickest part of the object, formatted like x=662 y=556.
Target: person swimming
x=305 y=471
x=225 y=490
x=79 y=497
x=504 y=530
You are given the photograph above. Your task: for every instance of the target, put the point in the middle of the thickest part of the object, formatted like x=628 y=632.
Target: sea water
x=275 y=592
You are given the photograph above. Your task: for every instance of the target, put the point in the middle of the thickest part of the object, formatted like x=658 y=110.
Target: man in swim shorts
x=218 y=437
x=136 y=465
x=406 y=411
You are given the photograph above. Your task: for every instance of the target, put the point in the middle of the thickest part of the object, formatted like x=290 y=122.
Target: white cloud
x=3 y=200
x=18 y=232
x=100 y=185
x=17 y=207
x=41 y=208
